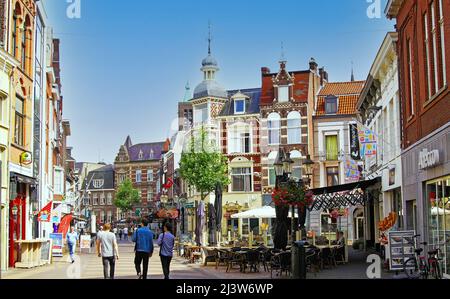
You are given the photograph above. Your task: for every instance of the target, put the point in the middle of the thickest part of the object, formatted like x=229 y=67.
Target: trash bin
x=299 y=260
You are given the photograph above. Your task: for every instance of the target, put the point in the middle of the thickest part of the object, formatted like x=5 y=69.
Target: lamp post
x=282 y=212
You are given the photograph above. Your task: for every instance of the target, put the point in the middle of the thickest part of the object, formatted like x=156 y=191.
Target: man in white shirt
x=108 y=250
x=125 y=233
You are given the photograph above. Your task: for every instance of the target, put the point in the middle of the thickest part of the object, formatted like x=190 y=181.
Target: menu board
x=85 y=242
x=46 y=251
x=401 y=248
x=58 y=244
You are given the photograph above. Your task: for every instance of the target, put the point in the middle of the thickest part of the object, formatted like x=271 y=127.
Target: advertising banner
x=354 y=143
x=85 y=242
x=57 y=244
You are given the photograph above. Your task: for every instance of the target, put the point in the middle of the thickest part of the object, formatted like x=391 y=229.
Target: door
x=359 y=233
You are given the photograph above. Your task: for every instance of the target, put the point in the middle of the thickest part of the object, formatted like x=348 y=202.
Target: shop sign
x=26 y=158
x=354 y=142
x=428 y=159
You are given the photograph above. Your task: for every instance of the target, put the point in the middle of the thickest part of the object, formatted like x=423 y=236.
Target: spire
x=128 y=142
x=283 y=56
x=209 y=38
x=187 y=93
x=353 y=75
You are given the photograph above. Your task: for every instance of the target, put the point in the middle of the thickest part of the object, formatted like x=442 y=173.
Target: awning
x=19 y=178
x=342 y=196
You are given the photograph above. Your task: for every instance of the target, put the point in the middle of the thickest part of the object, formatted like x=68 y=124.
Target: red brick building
x=423 y=28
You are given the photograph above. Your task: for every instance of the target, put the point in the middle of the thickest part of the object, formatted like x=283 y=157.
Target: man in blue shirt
x=72 y=238
x=166 y=242
x=143 y=237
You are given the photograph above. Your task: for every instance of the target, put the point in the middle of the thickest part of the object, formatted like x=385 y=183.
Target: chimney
x=323 y=76
x=265 y=70
x=313 y=65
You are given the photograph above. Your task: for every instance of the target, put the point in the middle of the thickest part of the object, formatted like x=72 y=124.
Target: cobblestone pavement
x=89 y=266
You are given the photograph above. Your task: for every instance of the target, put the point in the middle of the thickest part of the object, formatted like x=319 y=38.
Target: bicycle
x=418 y=267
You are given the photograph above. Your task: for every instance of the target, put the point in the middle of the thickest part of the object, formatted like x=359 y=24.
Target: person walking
x=72 y=238
x=166 y=242
x=125 y=233
x=143 y=237
x=120 y=233
x=115 y=231
x=108 y=250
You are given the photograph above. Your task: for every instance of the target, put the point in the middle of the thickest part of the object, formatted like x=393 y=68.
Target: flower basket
x=293 y=194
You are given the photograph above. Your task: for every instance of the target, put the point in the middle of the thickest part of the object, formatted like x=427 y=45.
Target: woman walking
x=166 y=242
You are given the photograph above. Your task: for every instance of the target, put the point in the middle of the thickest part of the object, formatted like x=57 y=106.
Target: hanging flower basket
x=292 y=194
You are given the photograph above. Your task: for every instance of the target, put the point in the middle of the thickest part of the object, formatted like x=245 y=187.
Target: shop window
x=232 y=225
x=438 y=199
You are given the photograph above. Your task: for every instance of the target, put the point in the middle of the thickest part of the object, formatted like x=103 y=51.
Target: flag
x=64 y=226
x=352 y=170
x=44 y=214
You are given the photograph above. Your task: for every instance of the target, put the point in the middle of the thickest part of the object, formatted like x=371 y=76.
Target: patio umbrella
x=218 y=206
x=264 y=212
x=199 y=223
x=212 y=225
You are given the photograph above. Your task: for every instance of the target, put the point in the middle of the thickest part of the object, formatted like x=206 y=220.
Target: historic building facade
x=424 y=72
x=239 y=142
x=287 y=101
x=140 y=163
x=334 y=112
x=98 y=191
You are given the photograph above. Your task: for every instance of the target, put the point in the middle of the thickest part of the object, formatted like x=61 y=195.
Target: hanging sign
x=26 y=158
x=354 y=142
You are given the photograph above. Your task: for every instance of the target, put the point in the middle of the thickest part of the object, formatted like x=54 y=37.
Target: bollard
x=299 y=260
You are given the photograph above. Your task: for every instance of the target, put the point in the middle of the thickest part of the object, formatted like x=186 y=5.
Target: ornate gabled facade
x=141 y=164
x=287 y=102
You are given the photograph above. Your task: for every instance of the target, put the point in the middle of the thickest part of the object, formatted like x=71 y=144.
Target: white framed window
x=294 y=128
x=98 y=183
x=239 y=106
x=271 y=169
x=435 y=45
x=95 y=199
x=283 y=94
x=201 y=114
x=241 y=179
x=109 y=199
x=103 y=216
x=239 y=140
x=427 y=54
x=102 y=199
x=122 y=177
x=58 y=178
x=274 y=128
x=138 y=176
x=150 y=194
x=297 y=173
x=442 y=28
x=109 y=217
x=3 y=110
x=150 y=175
x=410 y=74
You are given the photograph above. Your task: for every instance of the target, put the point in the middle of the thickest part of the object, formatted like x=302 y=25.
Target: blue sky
x=125 y=63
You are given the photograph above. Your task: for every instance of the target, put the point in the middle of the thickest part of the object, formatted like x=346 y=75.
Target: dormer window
x=98 y=183
x=283 y=94
x=239 y=106
x=331 y=105
x=141 y=155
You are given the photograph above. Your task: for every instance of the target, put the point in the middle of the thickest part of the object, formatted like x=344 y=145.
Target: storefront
x=426 y=168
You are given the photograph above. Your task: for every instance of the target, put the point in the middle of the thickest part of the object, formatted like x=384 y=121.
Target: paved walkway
x=89 y=266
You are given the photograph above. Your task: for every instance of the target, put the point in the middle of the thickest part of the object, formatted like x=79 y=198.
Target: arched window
x=274 y=126
x=294 y=123
x=271 y=169
x=239 y=138
x=297 y=167
x=16 y=30
x=26 y=45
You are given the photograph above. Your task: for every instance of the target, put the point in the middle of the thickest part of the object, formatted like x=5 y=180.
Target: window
x=122 y=177
x=274 y=126
x=245 y=226
x=442 y=29
x=201 y=114
x=297 y=174
x=15 y=31
x=271 y=170
x=434 y=32
x=102 y=217
x=294 y=128
x=332 y=176
x=331 y=105
x=23 y=58
x=58 y=180
x=95 y=199
x=332 y=147
x=150 y=195
x=98 y=183
x=109 y=199
x=102 y=199
x=150 y=175
x=138 y=176
x=427 y=54
x=2 y=110
x=239 y=139
x=141 y=155
x=19 y=121
x=109 y=219
x=410 y=78
x=283 y=94
x=241 y=179
x=239 y=106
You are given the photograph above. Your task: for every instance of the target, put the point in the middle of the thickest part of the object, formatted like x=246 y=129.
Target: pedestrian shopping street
x=89 y=266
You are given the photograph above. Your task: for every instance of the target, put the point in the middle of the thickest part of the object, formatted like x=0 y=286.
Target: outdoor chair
x=221 y=258
x=326 y=258
x=280 y=263
x=236 y=249
x=340 y=254
x=313 y=260
x=265 y=257
x=253 y=259
x=235 y=259
x=209 y=256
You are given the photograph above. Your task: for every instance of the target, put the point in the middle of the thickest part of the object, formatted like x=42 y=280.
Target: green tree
x=202 y=166
x=126 y=196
